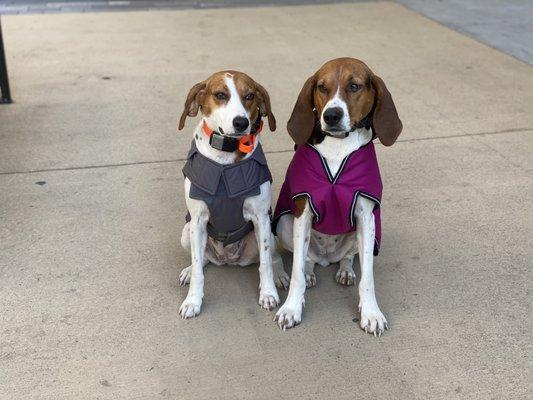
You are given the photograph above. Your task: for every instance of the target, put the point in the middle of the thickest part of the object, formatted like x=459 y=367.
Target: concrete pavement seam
x=35 y=171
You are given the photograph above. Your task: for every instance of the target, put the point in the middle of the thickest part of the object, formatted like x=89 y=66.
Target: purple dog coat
x=332 y=198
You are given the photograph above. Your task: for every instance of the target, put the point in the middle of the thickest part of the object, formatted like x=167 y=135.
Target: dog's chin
x=336 y=133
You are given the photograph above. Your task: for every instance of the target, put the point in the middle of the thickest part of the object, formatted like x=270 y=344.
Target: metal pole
x=4 y=81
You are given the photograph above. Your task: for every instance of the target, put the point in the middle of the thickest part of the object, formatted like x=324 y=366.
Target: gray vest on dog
x=224 y=188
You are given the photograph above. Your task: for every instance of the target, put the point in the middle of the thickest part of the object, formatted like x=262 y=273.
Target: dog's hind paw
x=310 y=280
x=282 y=280
x=345 y=277
x=185 y=275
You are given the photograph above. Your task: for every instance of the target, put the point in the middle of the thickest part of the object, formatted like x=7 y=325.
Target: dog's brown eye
x=220 y=95
x=249 y=96
x=322 y=88
x=354 y=87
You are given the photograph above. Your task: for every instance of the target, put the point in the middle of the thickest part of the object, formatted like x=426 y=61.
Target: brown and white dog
x=231 y=104
x=340 y=109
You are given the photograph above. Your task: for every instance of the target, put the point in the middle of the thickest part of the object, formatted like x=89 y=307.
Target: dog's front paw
x=372 y=319
x=190 y=308
x=345 y=276
x=289 y=315
x=185 y=275
x=268 y=299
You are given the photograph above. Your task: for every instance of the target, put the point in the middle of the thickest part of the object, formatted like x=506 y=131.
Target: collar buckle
x=223 y=143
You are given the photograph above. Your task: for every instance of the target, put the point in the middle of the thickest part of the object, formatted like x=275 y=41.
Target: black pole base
x=5 y=93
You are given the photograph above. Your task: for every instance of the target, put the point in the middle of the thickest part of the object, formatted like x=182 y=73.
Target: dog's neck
x=334 y=150
x=221 y=157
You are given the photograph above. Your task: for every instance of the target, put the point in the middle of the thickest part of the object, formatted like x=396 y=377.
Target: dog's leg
x=185 y=274
x=257 y=210
x=290 y=314
x=372 y=319
x=186 y=237
x=345 y=274
x=285 y=239
x=268 y=295
x=285 y=232
x=281 y=278
x=198 y=239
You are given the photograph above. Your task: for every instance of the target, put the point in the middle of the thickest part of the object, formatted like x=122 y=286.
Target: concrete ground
x=55 y=6
x=504 y=25
x=91 y=204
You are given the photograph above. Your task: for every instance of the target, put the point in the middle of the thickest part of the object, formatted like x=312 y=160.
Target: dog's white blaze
x=337 y=101
x=234 y=106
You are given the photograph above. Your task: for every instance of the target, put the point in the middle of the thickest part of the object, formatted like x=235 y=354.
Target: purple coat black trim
x=332 y=197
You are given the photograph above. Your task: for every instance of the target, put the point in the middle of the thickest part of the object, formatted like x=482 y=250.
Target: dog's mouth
x=336 y=132
x=236 y=135
x=339 y=129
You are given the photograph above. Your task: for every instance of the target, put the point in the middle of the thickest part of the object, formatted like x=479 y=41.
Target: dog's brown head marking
x=229 y=101
x=340 y=94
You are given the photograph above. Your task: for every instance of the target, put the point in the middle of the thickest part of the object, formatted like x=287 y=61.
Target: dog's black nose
x=240 y=124
x=333 y=115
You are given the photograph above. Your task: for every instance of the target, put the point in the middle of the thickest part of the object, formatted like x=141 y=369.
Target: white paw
x=372 y=319
x=190 y=308
x=185 y=275
x=289 y=315
x=282 y=280
x=310 y=279
x=268 y=299
x=345 y=276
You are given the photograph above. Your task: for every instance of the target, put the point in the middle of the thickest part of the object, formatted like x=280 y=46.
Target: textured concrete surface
x=91 y=87
x=503 y=24
x=89 y=254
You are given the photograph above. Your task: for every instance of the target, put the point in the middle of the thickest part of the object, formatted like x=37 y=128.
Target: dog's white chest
x=335 y=150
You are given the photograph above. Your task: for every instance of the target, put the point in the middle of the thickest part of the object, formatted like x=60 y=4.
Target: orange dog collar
x=244 y=144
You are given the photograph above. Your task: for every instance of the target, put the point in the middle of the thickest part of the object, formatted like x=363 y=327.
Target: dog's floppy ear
x=264 y=106
x=192 y=104
x=386 y=124
x=302 y=120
